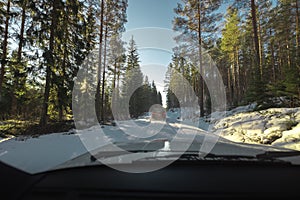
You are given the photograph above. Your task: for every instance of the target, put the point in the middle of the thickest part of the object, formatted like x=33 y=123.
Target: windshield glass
x=140 y=76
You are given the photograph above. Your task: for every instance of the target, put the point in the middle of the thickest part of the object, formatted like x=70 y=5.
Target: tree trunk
x=61 y=90
x=255 y=33
x=234 y=85
x=115 y=75
x=19 y=60
x=4 y=50
x=297 y=32
x=229 y=86
x=114 y=85
x=50 y=64
x=21 y=41
x=61 y=86
x=103 y=80
x=273 y=58
x=238 y=76
x=260 y=42
x=98 y=95
x=201 y=80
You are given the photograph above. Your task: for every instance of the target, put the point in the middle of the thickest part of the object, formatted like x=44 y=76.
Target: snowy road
x=47 y=151
x=142 y=130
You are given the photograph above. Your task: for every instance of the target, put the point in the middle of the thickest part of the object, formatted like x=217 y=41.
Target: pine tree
x=48 y=55
x=230 y=45
x=198 y=19
x=159 y=96
x=4 y=45
x=133 y=78
x=63 y=51
x=100 y=62
x=18 y=67
x=112 y=20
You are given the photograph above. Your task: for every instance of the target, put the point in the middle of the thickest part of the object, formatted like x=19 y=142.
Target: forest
x=257 y=52
x=253 y=43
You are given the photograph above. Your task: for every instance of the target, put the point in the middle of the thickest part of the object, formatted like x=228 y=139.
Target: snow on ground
x=37 y=154
x=189 y=115
x=7 y=138
x=216 y=116
x=279 y=127
x=275 y=126
x=45 y=152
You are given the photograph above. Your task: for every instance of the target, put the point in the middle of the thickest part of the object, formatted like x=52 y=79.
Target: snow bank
x=275 y=126
x=215 y=116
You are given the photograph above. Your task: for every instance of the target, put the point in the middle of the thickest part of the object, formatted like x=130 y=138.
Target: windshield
x=79 y=76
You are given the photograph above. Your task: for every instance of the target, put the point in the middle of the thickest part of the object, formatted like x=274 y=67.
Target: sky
x=142 y=14
x=150 y=13
x=156 y=14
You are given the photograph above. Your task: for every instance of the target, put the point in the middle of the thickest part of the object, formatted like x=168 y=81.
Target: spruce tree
x=230 y=45
x=133 y=80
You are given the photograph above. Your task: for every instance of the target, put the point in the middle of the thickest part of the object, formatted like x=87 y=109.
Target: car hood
x=160 y=150
x=58 y=151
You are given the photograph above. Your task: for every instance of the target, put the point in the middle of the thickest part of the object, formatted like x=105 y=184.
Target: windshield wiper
x=195 y=156
x=109 y=154
x=267 y=157
x=277 y=154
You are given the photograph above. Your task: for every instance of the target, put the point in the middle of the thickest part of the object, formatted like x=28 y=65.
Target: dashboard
x=180 y=180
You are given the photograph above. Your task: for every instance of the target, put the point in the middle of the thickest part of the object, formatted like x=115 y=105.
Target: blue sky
x=152 y=13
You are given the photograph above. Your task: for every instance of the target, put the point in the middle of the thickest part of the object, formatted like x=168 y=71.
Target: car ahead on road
x=157 y=113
